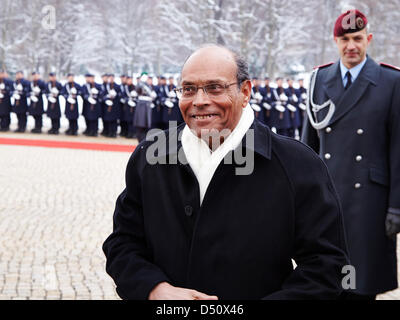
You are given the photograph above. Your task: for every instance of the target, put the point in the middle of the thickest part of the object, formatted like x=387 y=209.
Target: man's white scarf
x=199 y=156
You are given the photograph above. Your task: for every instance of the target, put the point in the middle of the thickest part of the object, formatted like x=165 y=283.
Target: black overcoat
x=360 y=146
x=239 y=243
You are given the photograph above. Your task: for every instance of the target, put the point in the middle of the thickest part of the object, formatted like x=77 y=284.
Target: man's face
x=279 y=82
x=129 y=81
x=149 y=81
x=301 y=83
x=52 y=78
x=352 y=47
x=213 y=66
x=290 y=82
x=19 y=75
x=171 y=80
x=104 y=79
x=266 y=82
x=163 y=82
x=71 y=79
x=111 y=79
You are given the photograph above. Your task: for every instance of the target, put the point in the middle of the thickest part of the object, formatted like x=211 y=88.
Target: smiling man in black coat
x=204 y=220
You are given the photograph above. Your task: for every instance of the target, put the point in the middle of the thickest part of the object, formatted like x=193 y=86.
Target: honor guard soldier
x=103 y=87
x=91 y=95
x=70 y=92
x=293 y=108
x=280 y=118
x=257 y=99
x=6 y=89
x=301 y=93
x=143 y=111
x=266 y=105
x=53 y=111
x=171 y=111
x=157 y=112
x=20 y=98
x=35 y=109
x=130 y=104
x=112 y=107
x=354 y=124
x=123 y=121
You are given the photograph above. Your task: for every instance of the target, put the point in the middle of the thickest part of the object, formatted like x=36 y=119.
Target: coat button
x=328 y=130
x=327 y=156
x=360 y=131
x=188 y=210
x=358 y=158
x=357 y=185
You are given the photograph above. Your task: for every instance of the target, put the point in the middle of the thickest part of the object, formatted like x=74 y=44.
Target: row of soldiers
x=134 y=107
x=282 y=109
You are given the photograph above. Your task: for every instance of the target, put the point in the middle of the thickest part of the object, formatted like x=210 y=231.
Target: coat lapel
x=368 y=76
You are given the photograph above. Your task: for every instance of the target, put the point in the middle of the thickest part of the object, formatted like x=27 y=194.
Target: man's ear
x=245 y=89
x=369 y=38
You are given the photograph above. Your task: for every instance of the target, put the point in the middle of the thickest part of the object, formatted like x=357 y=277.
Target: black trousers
x=55 y=124
x=38 y=121
x=112 y=127
x=124 y=128
x=73 y=125
x=5 y=121
x=21 y=121
x=92 y=127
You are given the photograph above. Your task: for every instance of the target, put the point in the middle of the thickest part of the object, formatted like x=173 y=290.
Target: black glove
x=392 y=224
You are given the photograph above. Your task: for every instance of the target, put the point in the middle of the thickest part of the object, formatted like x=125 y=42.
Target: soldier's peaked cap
x=349 y=22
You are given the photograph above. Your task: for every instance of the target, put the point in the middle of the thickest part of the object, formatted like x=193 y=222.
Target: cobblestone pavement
x=56 y=209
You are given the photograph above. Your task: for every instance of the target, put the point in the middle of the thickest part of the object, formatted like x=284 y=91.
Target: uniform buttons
x=360 y=131
x=327 y=156
x=357 y=185
x=328 y=130
x=358 y=158
x=188 y=211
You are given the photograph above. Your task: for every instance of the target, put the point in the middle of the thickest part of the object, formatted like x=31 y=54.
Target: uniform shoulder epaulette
x=389 y=66
x=324 y=65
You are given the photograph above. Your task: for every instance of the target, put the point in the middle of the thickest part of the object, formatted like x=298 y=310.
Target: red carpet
x=67 y=144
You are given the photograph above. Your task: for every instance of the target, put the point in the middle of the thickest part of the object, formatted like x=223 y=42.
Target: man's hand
x=392 y=224
x=164 y=291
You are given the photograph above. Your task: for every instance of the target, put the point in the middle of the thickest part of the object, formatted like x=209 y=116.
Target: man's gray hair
x=242 y=73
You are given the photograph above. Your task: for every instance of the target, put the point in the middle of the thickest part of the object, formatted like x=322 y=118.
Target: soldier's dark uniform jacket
x=36 y=108
x=6 y=90
x=92 y=111
x=71 y=109
x=21 y=106
x=112 y=112
x=360 y=145
x=279 y=120
x=53 y=108
x=266 y=105
x=172 y=112
x=295 y=119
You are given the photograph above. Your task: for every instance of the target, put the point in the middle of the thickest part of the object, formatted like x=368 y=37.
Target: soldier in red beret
x=354 y=124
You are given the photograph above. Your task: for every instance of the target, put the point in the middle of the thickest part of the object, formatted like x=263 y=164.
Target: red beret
x=350 y=21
